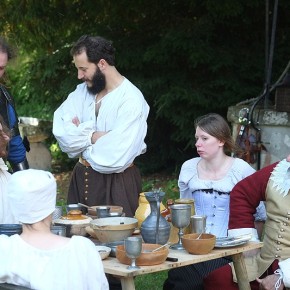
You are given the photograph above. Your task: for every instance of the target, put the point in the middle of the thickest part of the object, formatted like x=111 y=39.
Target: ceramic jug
x=155 y=229
x=144 y=209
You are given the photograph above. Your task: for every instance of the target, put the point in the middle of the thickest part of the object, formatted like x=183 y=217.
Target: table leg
x=128 y=283
x=241 y=271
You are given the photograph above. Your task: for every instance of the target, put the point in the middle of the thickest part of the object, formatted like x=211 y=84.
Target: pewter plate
x=232 y=243
x=225 y=242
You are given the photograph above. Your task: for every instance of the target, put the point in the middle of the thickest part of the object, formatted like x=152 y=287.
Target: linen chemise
x=76 y=265
x=6 y=216
x=212 y=197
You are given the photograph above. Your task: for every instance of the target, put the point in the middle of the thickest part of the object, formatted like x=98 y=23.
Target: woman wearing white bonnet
x=39 y=259
x=32 y=195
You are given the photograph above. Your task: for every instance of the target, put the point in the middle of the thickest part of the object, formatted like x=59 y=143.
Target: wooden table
x=114 y=267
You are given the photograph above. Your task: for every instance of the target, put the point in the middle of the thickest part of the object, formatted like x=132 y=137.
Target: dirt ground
x=62 y=180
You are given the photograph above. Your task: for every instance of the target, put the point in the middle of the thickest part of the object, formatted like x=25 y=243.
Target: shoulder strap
x=7 y=95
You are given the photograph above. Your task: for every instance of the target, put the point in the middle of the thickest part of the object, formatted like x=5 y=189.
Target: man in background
x=104 y=124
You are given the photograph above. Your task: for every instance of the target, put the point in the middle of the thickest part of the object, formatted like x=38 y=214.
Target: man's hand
x=96 y=135
x=76 y=121
x=269 y=282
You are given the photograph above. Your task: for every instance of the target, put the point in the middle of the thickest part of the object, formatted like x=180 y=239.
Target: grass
x=152 y=281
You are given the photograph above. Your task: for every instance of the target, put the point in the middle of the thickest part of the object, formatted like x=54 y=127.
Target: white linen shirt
x=76 y=265
x=212 y=197
x=123 y=114
x=285 y=268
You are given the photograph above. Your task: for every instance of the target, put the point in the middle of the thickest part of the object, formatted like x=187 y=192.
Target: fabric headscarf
x=32 y=195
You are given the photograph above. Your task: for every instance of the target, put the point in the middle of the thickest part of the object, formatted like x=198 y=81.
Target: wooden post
x=241 y=271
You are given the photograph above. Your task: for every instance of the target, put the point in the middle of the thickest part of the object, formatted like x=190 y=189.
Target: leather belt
x=86 y=163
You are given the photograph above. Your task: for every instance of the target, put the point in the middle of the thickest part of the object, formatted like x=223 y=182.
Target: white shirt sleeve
x=244 y=231
x=124 y=140
x=187 y=172
x=73 y=139
x=285 y=268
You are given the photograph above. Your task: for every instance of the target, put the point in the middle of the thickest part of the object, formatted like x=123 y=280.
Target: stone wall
x=274 y=129
x=37 y=131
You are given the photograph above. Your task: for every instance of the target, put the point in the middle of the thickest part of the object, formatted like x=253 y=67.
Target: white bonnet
x=32 y=195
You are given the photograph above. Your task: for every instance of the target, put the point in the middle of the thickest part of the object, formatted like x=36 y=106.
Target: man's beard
x=98 y=82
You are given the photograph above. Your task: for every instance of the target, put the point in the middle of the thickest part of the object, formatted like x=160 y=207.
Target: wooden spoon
x=149 y=251
x=161 y=247
x=199 y=236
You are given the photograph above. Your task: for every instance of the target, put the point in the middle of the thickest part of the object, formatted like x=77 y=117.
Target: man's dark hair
x=6 y=48
x=96 y=48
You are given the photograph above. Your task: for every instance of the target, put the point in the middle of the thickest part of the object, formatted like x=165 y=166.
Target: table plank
x=114 y=267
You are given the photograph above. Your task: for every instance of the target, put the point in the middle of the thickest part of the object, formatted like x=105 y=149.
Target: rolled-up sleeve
x=73 y=139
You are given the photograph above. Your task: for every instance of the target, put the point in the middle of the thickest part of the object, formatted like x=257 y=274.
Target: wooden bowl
x=92 y=210
x=146 y=258
x=200 y=246
x=113 y=229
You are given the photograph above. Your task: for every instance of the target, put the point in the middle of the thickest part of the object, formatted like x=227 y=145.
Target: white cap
x=32 y=195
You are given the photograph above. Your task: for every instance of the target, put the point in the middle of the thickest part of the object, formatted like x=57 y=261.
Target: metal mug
x=103 y=211
x=186 y=230
x=58 y=230
x=198 y=223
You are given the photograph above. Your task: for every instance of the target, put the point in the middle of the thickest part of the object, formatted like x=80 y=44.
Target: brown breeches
x=93 y=188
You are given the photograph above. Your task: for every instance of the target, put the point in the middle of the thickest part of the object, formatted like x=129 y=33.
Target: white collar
x=281 y=177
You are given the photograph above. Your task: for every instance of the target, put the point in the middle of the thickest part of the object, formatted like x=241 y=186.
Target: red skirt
x=222 y=278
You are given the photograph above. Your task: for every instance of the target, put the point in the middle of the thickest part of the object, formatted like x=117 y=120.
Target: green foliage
x=187 y=57
x=168 y=185
x=60 y=160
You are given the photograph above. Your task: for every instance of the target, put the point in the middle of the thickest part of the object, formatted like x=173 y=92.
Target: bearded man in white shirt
x=104 y=124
